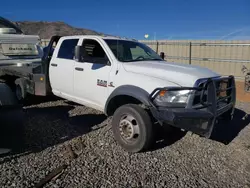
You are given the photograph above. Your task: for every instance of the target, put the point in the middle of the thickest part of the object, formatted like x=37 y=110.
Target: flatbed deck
x=26 y=79
x=21 y=71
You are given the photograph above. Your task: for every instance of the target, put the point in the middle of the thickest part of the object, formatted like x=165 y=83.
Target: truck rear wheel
x=132 y=128
x=7 y=96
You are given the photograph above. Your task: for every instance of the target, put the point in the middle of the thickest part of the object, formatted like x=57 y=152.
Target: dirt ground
x=61 y=133
x=242 y=95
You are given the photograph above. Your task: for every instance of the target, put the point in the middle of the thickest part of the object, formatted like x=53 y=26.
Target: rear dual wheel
x=132 y=128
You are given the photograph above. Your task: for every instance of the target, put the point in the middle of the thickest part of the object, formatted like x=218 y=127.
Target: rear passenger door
x=61 y=68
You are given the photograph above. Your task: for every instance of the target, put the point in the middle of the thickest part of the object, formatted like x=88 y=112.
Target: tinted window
x=67 y=49
x=94 y=53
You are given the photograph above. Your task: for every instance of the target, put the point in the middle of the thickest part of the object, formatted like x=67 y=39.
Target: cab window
x=67 y=49
x=93 y=52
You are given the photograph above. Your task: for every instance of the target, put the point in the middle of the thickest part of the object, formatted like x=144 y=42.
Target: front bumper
x=199 y=118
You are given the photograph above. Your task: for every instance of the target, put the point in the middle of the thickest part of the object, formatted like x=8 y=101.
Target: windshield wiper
x=149 y=59
x=158 y=59
x=133 y=60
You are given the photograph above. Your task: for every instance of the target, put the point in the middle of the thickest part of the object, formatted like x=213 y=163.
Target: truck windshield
x=7 y=27
x=129 y=51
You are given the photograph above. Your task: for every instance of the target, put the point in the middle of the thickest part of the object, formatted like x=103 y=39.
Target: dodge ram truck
x=127 y=80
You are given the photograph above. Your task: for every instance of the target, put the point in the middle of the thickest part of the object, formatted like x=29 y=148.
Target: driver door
x=91 y=77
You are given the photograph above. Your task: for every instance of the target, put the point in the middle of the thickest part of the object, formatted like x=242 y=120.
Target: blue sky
x=162 y=19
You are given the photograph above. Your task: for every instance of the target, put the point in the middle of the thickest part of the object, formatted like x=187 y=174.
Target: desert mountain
x=46 y=29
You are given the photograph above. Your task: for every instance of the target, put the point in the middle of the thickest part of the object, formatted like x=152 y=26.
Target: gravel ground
x=61 y=133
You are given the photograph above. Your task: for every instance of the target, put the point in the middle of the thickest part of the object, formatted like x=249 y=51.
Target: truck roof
x=98 y=36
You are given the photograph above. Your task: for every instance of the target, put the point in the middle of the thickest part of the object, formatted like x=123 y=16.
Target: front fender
x=129 y=90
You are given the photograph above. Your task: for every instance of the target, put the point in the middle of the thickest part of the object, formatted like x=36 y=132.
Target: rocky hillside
x=46 y=29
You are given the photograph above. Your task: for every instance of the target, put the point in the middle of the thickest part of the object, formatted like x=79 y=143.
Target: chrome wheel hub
x=129 y=129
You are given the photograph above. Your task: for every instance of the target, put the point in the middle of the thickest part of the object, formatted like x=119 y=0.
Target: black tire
x=144 y=139
x=7 y=96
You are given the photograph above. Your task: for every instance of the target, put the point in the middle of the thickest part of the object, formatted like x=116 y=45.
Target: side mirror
x=162 y=54
x=79 y=53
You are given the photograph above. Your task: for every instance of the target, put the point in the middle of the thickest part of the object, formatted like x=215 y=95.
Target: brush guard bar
x=216 y=96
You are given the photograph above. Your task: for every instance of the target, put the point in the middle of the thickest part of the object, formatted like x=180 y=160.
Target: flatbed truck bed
x=21 y=71
x=32 y=78
x=27 y=79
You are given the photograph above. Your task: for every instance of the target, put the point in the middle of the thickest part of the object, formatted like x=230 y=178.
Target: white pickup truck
x=127 y=80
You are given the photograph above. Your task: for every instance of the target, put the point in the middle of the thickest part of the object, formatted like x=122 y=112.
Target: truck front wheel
x=132 y=128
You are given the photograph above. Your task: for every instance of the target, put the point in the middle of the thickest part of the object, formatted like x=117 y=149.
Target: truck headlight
x=172 y=98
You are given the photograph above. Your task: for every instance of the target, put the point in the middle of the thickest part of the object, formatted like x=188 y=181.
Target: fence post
x=190 y=53
x=157 y=46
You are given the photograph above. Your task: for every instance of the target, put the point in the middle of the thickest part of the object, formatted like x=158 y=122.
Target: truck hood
x=180 y=74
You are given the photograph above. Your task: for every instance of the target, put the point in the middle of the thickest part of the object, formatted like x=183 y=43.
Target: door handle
x=53 y=64
x=79 y=69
